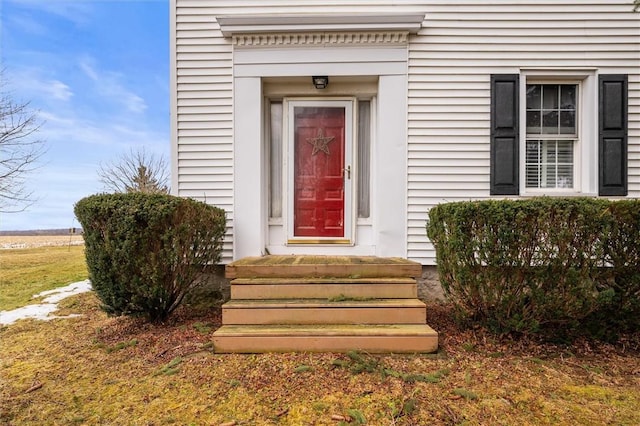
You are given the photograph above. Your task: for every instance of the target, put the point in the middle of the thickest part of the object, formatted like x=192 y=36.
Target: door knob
x=347 y=171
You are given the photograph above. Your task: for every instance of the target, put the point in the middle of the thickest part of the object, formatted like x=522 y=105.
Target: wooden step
x=323 y=288
x=411 y=338
x=310 y=311
x=322 y=266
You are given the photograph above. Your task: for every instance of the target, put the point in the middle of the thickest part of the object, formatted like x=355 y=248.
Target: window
x=275 y=157
x=364 y=158
x=554 y=131
x=552 y=136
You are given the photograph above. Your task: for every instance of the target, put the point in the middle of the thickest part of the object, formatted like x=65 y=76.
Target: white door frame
x=249 y=214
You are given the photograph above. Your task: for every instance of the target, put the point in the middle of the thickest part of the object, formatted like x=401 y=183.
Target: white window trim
x=586 y=150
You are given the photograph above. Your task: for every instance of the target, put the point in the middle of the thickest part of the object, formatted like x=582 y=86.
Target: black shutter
x=504 y=135
x=612 y=135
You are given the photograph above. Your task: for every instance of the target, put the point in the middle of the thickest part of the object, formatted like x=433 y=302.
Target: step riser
x=372 y=315
x=372 y=344
x=320 y=270
x=323 y=291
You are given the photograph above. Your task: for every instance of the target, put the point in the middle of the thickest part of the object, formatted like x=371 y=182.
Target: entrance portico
x=319 y=196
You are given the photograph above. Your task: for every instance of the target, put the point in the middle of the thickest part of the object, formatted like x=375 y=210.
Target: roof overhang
x=254 y=24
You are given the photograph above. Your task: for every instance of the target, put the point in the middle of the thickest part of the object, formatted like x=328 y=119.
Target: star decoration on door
x=320 y=142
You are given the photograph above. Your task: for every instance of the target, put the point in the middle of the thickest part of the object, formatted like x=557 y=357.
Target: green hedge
x=556 y=265
x=146 y=251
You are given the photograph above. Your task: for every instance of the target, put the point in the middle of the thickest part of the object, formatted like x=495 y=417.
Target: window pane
x=534 y=96
x=549 y=151
x=533 y=122
x=550 y=122
x=364 y=158
x=565 y=152
x=533 y=152
x=549 y=172
x=565 y=176
x=549 y=164
x=550 y=96
x=568 y=96
x=565 y=164
x=275 y=166
x=533 y=176
x=568 y=122
x=532 y=171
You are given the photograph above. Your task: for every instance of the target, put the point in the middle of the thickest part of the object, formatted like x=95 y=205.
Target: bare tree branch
x=19 y=151
x=136 y=171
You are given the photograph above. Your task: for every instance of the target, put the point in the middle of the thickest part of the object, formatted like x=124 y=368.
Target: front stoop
x=324 y=304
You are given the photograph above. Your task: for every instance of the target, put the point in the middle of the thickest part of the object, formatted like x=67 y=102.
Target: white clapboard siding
x=461 y=44
x=203 y=120
x=457 y=51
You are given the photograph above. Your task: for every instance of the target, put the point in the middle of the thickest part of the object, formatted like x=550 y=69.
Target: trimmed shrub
x=619 y=293
x=146 y=251
x=541 y=264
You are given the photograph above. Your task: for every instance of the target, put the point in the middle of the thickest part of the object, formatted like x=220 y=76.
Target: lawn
x=119 y=371
x=25 y=272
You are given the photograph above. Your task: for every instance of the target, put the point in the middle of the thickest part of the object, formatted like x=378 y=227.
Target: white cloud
x=108 y=84
x=59 y=90
x=87 y=68
x=28 y=81
x=133 y=102
x=109 y=133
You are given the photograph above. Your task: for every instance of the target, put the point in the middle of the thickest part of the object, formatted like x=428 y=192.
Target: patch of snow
x=57 y=294
x=43 y=311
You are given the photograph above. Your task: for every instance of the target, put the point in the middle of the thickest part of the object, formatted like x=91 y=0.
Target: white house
x=332 y=126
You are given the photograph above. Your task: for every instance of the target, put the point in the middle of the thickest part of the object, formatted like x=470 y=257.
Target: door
x=320 y=183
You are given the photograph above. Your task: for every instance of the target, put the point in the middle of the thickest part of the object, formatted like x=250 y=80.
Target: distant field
x=31 y=241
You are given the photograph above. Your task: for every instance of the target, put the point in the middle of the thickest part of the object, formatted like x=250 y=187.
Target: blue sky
x=97 y=72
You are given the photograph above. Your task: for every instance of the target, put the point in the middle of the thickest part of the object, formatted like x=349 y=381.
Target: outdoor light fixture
x=320 y=81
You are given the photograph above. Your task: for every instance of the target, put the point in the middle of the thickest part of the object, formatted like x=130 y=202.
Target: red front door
x=319 y=163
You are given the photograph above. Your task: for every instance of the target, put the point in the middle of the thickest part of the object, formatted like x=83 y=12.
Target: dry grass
x=120 y=371
x=26 y=272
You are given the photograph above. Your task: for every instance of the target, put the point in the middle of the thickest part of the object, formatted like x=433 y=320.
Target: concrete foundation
x=429 y=287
